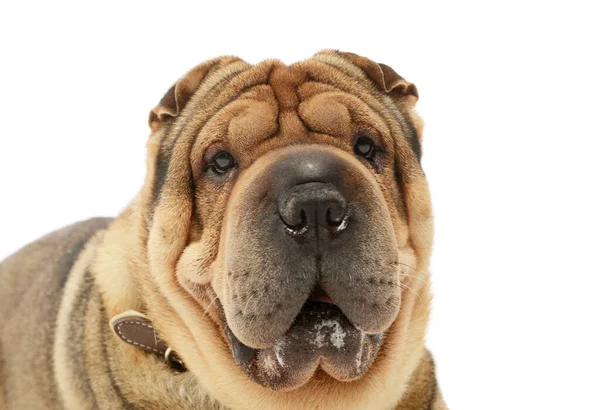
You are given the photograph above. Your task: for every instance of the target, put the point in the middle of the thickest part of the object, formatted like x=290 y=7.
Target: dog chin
x=320 y=337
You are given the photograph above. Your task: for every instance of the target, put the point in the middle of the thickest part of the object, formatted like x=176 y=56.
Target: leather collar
x=134 y=328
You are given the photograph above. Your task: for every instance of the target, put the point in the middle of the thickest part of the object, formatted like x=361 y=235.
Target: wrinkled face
x=299 y=244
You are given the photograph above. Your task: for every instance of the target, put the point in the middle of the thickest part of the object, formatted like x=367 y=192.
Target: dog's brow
x=407 y=129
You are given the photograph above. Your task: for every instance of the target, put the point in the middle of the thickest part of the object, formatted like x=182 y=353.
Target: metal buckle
x=173 y=361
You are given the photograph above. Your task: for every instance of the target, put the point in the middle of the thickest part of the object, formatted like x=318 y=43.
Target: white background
x=510 y=96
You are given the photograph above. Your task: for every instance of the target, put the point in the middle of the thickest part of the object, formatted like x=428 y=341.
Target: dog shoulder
x=55 y=251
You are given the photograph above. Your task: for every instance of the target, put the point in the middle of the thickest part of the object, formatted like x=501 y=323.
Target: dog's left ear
x=401 y=91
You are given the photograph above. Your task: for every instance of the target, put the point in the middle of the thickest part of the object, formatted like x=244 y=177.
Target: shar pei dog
x=276 y=256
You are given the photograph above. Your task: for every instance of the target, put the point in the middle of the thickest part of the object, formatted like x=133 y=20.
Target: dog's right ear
x=180 y=93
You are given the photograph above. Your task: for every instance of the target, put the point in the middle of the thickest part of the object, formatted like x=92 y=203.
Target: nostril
x=332 y=221
x=335 y=213
x=312 y=205
x=298 y=229
x=303 y=217
x=291 y=212
x=339 y=223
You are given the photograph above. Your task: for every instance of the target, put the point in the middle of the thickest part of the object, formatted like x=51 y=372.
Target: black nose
x=313 y=204
x=310 y=190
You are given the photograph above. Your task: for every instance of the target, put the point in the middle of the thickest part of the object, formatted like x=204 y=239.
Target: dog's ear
x=180 y=93
x=401 y=91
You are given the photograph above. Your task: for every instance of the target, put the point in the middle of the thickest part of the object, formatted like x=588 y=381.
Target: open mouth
x=320 y=337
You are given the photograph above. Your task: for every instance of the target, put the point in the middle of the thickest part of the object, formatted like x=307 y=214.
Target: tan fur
x=164 y=256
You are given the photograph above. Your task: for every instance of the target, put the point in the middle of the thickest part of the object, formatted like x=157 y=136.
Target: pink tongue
x=319 y=295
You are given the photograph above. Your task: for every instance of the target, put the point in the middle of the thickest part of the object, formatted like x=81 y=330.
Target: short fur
x=165 y=255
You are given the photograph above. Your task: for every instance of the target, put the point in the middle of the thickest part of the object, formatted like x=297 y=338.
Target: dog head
x=288 y=221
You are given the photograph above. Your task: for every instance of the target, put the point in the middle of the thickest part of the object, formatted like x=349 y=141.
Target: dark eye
x=222 y=162
x=365 y=147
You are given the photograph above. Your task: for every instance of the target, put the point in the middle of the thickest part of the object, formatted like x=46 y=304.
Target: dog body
x=280 y=245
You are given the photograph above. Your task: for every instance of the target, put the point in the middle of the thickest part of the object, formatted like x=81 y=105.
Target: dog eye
x=222 y=162
x=365 y=147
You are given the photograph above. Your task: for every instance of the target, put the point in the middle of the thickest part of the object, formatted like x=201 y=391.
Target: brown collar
x=136 y=329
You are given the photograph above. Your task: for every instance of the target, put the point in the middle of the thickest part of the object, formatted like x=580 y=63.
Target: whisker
x=411 y=267
x=413 y=276
x=411 y=291
x=248 y=301
x=217 y=296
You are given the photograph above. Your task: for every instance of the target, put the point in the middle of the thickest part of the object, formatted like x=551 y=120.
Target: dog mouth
x=320 y=337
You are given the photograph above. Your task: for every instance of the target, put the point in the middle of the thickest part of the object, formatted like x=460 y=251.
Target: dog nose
x=313 y=204
x=309 y=183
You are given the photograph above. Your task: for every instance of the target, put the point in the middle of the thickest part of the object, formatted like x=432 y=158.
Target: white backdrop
x=510 y=96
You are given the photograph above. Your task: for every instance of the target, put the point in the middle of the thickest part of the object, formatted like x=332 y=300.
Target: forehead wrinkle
x=208 y=88
x=241 y=125
x=359 y=112
x=407 y=128
x=325 y=113
x=370 y=108
x=218 y=121
x=255 y=76
x=284 y=81
x=380 y=104
x=257 y=120
x=375 y=105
